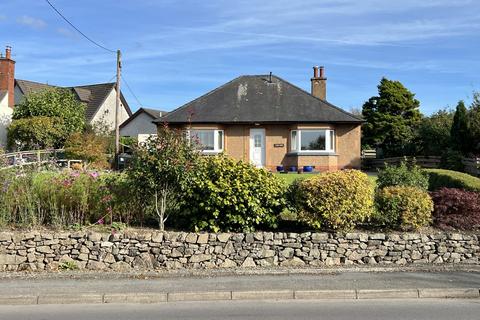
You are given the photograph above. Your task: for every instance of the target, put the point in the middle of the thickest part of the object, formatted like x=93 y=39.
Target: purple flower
x=101 y=221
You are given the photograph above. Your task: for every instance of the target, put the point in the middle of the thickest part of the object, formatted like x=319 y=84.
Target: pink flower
x=94 y=175
x=101 y=221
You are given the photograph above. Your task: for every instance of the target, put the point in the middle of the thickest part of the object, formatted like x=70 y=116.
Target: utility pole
x=117 y=109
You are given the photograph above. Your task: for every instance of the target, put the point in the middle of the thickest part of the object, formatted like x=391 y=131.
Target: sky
x=174 y=51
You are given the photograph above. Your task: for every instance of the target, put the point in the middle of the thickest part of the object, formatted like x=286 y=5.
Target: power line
x=131 y=91
x=78 y=30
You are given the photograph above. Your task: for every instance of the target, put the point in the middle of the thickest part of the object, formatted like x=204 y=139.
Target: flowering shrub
x=62 y=199
x=456 y=209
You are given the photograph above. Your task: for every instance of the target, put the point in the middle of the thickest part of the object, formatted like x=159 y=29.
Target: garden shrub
x=456 y=209
x=402 y=175
x=229 y=195
x=31 y=198
x=403 y=207
x=336 y=200
x=452 y=160
x=441 y=178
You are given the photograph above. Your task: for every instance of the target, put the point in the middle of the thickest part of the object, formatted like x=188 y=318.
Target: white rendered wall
x=5 y=119
x=142 y=124
x=106 y=113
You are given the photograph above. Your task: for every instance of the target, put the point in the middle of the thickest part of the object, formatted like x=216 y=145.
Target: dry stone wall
x=174 y=250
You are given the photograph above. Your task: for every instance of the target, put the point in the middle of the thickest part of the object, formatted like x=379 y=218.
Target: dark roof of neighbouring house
x=153 y=113
x=250 y=99
x=3 y=93
x=92 y=95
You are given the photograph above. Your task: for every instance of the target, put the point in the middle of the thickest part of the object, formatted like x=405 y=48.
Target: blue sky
x=175 y=51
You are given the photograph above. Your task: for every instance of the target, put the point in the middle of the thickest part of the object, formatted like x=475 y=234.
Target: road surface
x=278 y=310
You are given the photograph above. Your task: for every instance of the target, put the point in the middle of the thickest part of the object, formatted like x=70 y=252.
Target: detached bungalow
x=271 y=122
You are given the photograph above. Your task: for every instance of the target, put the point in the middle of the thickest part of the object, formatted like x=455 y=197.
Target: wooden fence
x=34 y=157
x=471 y=165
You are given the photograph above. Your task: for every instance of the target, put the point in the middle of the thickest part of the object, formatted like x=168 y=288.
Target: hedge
x=441 y=178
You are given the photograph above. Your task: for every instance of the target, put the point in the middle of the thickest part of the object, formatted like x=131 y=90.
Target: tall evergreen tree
x=474 y=124
x=460 y=131
x=391 y=118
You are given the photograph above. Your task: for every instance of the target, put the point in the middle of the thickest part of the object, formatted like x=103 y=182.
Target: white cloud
x=32 y=22
x=67 y=33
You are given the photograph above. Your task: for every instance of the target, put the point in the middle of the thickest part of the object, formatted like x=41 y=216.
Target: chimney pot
x=322 y=72
x=315 y=71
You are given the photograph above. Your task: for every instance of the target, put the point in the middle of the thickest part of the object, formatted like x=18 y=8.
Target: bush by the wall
x=30 y=198
x=456 y=209
x=440 y=178
x=337 y=200
x=405 y=208
x=230 y=195
x=402 y=175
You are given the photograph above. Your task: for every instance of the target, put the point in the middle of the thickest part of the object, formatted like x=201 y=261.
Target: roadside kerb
x=263 y=295
x=325 y=294
x=199 y=296
x=162 y=297
x=81 y=298
x=449 y=293
x=388 y=294
x=134 y=297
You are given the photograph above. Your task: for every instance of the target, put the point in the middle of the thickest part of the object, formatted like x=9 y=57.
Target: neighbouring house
x=271 y=122
x=140 y=125
x=100 y=99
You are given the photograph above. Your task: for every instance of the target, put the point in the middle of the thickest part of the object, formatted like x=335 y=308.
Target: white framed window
x=312 y=140
x=207 y=140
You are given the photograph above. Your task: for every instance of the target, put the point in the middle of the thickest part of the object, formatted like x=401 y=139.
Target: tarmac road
x=279 y=310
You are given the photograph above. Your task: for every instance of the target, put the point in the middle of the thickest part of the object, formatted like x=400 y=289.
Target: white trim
x=297 y=142
x=215 y=140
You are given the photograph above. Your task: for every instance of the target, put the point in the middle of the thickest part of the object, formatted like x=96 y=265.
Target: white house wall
x=142 y=124
x=106 y=113
x=5 y=119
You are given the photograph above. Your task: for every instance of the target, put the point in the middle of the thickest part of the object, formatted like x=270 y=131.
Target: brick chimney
x=319 y=83
x=7 y=75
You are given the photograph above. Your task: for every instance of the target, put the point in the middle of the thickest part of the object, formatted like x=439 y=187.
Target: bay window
x=312 y=140
x=207 y=140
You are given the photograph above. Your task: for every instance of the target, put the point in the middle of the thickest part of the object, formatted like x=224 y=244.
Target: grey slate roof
x=153 y=113
x=92 y=95
x=250 y=99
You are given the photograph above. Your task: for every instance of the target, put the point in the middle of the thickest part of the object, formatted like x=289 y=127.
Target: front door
x=257 y=147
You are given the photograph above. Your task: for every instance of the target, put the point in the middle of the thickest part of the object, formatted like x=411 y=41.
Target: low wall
x=123 y=251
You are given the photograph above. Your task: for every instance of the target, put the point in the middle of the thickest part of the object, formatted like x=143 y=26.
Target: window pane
x=294 y=140
x=257 y=141
x=203 y=139
x=313 y=140
x=220 y=139
x=332 y=140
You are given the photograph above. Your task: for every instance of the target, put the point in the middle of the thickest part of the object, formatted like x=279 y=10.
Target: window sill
x=311 y=153
x=211 y=152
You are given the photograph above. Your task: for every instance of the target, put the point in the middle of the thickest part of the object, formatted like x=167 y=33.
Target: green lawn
x=290 y=177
